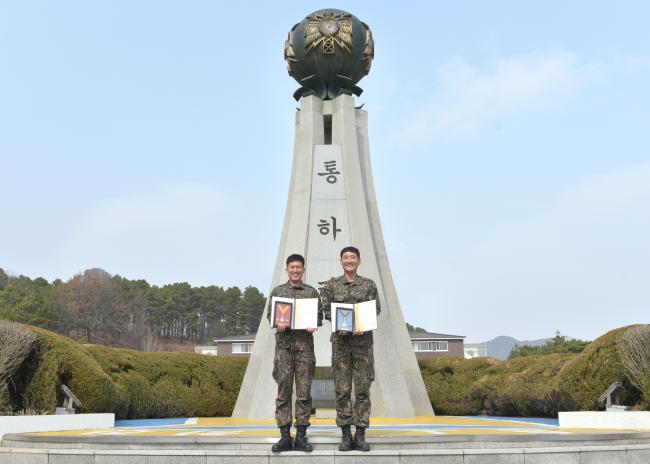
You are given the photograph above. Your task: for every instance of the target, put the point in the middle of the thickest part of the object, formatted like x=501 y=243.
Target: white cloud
x=467 y=97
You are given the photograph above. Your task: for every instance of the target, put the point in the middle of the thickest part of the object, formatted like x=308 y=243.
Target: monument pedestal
x=331 y=205
x=394 y=448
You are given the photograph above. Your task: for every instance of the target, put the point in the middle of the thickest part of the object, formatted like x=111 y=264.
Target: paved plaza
x=381 y=427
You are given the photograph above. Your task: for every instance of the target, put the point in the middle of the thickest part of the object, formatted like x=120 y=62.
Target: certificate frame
x=282 y=311
x=364 y=316
x=344 y=321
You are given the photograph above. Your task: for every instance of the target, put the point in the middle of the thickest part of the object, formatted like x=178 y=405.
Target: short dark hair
x=295 y=257
x=351 y=249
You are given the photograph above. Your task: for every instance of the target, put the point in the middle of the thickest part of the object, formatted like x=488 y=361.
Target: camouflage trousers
x=352 y=363
x=289 y=365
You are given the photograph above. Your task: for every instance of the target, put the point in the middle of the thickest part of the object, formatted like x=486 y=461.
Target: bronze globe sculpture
x=328 y=52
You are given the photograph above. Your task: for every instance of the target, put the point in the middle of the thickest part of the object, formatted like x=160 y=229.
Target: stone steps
x=459 y=441
x=612 y=454
x=628 y=448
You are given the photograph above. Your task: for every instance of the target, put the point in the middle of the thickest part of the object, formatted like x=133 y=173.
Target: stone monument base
x=454 y=440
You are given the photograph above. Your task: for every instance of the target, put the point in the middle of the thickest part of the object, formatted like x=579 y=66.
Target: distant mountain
x=501 y=346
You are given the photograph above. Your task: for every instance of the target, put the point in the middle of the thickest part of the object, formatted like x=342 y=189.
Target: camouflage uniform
x=352 y=356
x=294 y=357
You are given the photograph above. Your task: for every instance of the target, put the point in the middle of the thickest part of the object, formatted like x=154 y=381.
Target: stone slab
x=603 y=456
x=553 y=456
x=294 y=457
x=605 y=419
x=246 y=459
x=25 y=457
x=71 y=457
x=490 y=456
x=431 y=456
x=431 y=459
x=50 y=423
x=184 y=455
x=638 y=455
x=112 y=458
x=369 y=457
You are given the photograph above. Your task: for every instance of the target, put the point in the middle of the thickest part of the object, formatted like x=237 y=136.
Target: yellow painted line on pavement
x=575 y=430
x=230 y=422
x=418 y=420
x=483 y=432
x=446 y=420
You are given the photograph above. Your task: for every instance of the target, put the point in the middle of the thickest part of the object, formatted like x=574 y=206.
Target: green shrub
x=63 y=361
x=523 y=386
x=594 y=370
x=172 y=384
x=130 y=383
x=134 y=384
x=558 y=344
x=527 y=386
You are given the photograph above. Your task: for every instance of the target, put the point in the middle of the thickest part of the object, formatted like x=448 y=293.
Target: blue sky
x=510 y=145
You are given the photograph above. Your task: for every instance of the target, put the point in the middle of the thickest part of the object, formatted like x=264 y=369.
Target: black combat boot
x=346 y=440
x=301 y=443
x=284 y=443
x=360 y=443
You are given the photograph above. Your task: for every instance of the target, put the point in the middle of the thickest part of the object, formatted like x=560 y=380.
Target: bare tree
x=88 y=300
x=151 y=341
x=634 y=350
x=15 y=345
x=132 y=306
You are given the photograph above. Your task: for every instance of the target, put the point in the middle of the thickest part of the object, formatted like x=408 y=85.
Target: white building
x=475 y=350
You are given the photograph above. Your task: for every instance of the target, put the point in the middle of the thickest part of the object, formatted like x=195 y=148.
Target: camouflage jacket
x=339 y=290
x=297 y=340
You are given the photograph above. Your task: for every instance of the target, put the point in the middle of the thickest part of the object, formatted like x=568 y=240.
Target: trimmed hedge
x=130 y=383
x=594 y=370
x=171 y=384
x=520 y=387
x=527 y=386
x=134 y=384
x=60 y=360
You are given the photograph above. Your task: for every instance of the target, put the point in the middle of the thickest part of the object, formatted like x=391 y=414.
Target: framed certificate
x=298 y=313
x=345 y=319
x=357 y=317
x=282 y=310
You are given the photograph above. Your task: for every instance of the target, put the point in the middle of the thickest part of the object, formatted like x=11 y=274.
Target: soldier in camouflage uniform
x=352 y=356
x=294 y=358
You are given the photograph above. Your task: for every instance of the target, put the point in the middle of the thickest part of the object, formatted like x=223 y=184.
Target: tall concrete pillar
x=332 y=204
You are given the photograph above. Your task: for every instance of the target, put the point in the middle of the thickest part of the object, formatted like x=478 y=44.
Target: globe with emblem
x=328 y=53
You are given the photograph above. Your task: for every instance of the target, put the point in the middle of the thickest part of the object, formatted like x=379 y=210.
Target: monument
x=332 y=204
